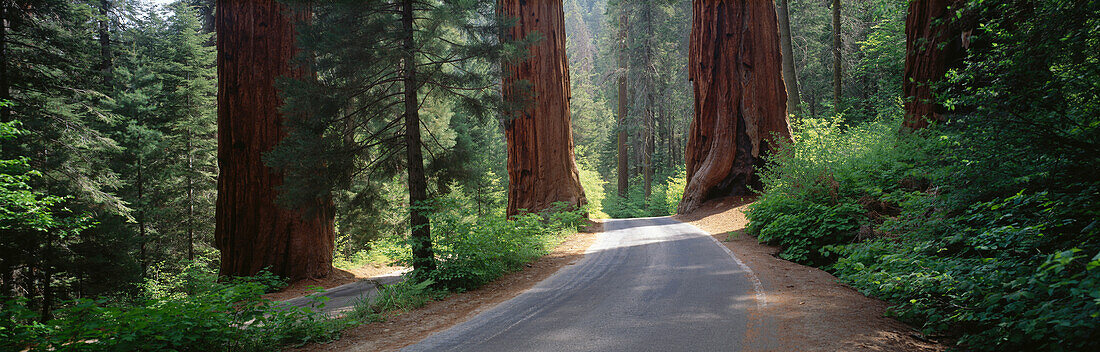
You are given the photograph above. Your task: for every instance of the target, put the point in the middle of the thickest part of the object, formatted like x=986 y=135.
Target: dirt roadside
x=406 y=328
x=810 y=309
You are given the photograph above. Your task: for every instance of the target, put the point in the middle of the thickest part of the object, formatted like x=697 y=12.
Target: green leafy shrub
x=1004 y=280
x=593 y=186
x=674 y=190
x=225 y=317
x=636 y=205
x=971 y=231
x=401 y=296
x=819 y=190
x=472 y=250
x=806 y=232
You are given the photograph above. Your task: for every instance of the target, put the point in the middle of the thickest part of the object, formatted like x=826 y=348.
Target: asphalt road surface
x=342 y=299
x=651 y=284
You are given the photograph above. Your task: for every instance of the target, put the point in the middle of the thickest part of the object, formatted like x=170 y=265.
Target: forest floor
x=401 y=329
x=813 y=311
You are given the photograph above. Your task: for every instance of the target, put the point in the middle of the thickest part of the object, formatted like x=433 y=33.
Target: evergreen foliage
x=982 y=229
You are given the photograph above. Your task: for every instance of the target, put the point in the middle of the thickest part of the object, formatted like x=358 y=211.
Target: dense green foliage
x=983 y=228
x=190 y=310
x=115 y=105
x=819 y=189
x=199 y=314
x=476 y=250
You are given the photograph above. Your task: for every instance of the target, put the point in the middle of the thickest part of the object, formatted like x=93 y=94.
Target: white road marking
x=757 y=287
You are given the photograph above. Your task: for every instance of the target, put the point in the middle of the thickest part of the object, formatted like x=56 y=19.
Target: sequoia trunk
x=928 y=53
x=541 y=166
x=255 y=44
x=740 y=100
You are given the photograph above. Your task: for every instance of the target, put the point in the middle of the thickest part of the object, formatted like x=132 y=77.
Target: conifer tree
x=362 y=117
x=190 y=83
x=49 y=53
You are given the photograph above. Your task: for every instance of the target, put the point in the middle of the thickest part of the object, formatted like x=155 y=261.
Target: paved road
x=651 y=284
x=342 y=299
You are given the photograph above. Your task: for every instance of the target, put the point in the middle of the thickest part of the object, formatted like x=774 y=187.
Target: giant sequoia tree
x=541 y=167
x=255 y=44
x=930 y=47
x=740 y=100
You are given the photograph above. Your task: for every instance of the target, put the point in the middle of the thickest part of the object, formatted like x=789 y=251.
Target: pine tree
x=49 y=54
x=362 y=117
x=189 y=80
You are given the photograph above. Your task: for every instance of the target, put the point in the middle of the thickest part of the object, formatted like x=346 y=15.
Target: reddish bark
x=928 y=53
x=255 y=45
x=740 y=100
x=541 y=166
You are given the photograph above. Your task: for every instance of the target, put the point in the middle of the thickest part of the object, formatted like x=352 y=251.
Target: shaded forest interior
x=163 y=162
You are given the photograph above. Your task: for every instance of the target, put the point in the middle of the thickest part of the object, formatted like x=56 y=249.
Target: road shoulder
x=809 y=310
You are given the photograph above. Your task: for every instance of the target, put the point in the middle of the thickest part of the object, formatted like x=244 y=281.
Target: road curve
x=650 y=284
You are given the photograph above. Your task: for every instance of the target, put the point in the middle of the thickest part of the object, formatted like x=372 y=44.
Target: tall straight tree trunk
x=106 y=61
x=926 y=60
x=190 y=198
x=423 y=258
x=47 y=279
x=255 y=44
x=5 y=79
x=669 y=145
x=541 y=166
x=790 y=76
x=143 y=236
x=740 y=101
x=649 y=117
x=624 y=159
x=837 y=75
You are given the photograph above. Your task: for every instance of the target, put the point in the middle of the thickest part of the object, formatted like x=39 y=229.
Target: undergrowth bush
x=472 y=250
x=593 y=186
x=1015 y=272
x=819 y=190
x=1002 y=279
x=663 y=199
x=402 y=296
x=217 y=317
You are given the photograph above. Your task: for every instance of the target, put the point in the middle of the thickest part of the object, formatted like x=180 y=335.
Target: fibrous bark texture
x=927 y=57
x=255 y=45
x=740 y=100
x=541 y=165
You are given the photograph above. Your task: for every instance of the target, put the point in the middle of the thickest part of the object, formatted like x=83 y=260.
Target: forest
x=165 y=164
